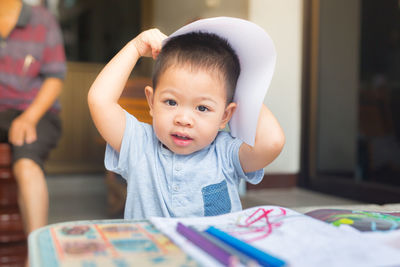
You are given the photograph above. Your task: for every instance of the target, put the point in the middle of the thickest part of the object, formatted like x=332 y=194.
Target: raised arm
x=268 y=144
x=107 y=114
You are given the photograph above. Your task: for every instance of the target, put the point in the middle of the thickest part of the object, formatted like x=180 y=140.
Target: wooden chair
x=13 y=248
x=133 y=100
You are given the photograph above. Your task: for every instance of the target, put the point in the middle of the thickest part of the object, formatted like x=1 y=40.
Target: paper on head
x=257 y=57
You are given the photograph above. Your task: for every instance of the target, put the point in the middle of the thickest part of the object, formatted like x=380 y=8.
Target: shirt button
x=178 y=168
x=175 y=188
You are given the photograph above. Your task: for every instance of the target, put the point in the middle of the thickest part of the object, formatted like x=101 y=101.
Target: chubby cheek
x=208 y=131
x=160 y=126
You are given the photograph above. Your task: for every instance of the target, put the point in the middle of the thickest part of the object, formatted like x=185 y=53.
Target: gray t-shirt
x=162 y=183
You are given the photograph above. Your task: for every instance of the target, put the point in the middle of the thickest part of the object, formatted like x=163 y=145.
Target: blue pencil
x=260 y=256
x=213 y=250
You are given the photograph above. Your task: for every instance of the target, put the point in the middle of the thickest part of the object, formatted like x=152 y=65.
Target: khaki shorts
x=48 y=133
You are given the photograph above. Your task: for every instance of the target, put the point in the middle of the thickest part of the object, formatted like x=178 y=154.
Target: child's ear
x=150 y=98
x=229 y=110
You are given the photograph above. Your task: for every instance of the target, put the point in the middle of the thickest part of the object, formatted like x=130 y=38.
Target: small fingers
x=153 y=39
x=157 y=38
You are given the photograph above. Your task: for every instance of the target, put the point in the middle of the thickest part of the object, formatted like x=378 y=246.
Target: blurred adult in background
x=32 y=68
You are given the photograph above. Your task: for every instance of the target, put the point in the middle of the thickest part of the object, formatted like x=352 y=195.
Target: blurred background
x=335 y=91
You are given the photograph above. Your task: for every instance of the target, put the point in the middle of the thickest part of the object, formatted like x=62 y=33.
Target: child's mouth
x=181 y=140
x=181 y=137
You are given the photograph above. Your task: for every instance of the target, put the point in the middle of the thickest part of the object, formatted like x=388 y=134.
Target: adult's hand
x=22 y=130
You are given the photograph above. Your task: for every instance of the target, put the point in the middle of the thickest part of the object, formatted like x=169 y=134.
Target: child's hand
x=149 y=43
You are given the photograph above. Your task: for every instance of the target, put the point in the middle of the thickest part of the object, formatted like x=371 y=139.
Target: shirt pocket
x=216 y=199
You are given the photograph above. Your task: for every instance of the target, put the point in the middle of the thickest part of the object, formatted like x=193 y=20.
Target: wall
x=166 y=18
x=81 y=148
x=283 y=21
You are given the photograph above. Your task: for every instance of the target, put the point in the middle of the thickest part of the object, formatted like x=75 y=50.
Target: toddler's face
x=188 y=108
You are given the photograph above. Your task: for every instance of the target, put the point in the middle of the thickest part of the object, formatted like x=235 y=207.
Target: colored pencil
x=260 y=256
x=243 y=258
x=213 y=250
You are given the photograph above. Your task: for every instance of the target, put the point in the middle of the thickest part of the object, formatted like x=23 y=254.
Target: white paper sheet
x=295 y=238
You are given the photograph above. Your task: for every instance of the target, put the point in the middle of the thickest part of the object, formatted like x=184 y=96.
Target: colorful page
x=104 y=243
x=365 y=221
x=293 y=237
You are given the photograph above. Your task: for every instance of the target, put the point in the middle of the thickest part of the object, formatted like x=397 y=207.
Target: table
x=285 y=233
x=104 y=243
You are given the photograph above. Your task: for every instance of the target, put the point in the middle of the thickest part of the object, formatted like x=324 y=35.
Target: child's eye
x=202 y=108
x=170 y=102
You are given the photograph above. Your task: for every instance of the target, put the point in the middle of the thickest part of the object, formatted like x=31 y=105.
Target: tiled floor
x=83 y=197
x=76 y=197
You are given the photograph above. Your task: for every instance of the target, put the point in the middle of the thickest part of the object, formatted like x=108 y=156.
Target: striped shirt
x=32 y=52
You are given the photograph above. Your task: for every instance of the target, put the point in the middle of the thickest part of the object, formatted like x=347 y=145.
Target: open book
x=298 y=239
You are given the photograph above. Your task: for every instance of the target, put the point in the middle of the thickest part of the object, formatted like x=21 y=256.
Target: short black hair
x=200 y=50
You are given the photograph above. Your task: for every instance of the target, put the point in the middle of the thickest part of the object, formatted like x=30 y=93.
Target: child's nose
x=184 y=119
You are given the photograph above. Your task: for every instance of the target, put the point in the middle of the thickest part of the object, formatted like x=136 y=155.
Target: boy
x=182 y=165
